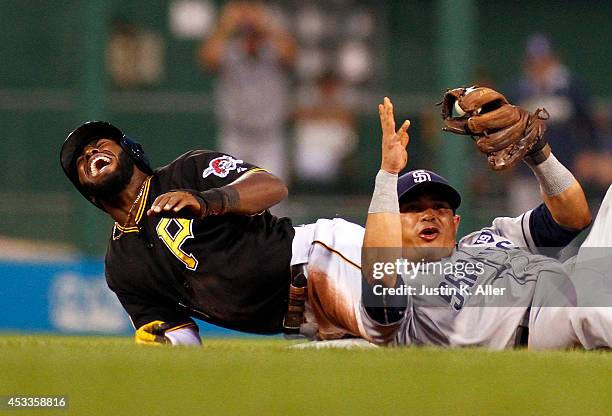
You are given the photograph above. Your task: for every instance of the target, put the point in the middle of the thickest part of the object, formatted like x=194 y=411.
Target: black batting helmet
x=86 y=133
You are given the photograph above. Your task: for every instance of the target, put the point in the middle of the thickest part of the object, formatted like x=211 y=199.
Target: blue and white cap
x=421 y=180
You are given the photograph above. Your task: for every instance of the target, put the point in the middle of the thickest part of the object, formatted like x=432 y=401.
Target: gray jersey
x=564 y=305
x=480 y=295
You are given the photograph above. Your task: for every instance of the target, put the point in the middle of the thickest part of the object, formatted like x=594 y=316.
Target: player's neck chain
x=130 y=212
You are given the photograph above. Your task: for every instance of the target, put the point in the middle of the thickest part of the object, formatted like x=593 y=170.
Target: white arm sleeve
x=184 y=336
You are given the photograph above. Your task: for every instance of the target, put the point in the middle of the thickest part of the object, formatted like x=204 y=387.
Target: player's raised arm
x=560 y=190
x=383 y=234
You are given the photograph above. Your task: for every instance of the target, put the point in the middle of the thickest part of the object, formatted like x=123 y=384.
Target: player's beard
x=115 y=182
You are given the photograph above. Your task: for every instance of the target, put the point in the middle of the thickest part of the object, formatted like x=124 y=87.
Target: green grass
x=112 y=376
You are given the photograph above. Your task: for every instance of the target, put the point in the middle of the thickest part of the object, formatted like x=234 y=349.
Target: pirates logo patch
x=221 y=166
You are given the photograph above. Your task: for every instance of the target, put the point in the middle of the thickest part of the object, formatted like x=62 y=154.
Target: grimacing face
x=429 y=225
x=104 y=169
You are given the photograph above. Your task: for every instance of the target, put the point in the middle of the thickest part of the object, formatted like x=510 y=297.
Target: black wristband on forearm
x=538 y=153
x=218 y=201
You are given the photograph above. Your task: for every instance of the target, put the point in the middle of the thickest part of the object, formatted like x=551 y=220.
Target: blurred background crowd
x=291 y=86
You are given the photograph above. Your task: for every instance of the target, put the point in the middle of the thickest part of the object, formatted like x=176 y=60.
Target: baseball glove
x=504 y=132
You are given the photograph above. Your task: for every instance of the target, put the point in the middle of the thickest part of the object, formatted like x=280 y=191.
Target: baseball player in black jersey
x=195 y=239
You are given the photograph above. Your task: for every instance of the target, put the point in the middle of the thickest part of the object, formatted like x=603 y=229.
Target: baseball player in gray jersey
x=491 y=287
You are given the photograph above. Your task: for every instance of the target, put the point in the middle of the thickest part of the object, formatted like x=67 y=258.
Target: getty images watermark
x=410 y=269
x=460 y=277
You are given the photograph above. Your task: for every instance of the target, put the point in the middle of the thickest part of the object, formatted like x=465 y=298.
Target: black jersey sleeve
x=204 y=169
x=142 y=312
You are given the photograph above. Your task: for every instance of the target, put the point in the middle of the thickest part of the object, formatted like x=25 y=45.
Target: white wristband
x=553 y=177
x=384 y=197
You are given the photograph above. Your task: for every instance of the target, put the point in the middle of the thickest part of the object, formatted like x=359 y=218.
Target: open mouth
x=98 y=163
x=429 y=233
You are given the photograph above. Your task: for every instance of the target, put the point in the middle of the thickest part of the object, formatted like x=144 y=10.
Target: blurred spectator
x=251 y=54
x=547 y=83
x=325 y=133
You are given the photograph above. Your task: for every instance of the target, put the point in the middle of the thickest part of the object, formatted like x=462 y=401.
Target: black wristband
x=539 y=153
x=217 y=201
x=537 y=146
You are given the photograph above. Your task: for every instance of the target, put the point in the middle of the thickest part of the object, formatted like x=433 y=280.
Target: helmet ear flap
x=136 y=153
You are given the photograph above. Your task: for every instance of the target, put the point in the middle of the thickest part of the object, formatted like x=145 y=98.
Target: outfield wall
x=67 y=297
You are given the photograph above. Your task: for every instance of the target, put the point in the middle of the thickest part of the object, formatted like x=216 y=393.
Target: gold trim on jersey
x=143 y=201
x=352 y=263
x=248 y=172
x=141 y=209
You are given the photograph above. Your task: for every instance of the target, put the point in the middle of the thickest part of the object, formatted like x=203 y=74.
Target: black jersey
x=230 y=270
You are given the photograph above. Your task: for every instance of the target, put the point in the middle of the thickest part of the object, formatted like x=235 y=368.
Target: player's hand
x=152 y=333
x=175 y=204
x=394 y=154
